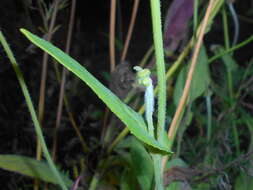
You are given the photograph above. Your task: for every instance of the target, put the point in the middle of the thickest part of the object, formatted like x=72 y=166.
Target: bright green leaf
x=31 y=167
x=201 y=76
x=128 y=116
x=179 y=86
x=200 y=80
x=142 y=164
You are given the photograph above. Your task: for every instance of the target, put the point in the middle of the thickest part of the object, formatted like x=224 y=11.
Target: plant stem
x=242 y=44
x=130 y=29
x=32 y=111
x=225 y=27
x=41 y=104
x=209 y=115
x=158 y=44
x=112 y=35
x=195 y=15
x=157 y=159
x=230 y=82
x=176 y=118
x=63 y=80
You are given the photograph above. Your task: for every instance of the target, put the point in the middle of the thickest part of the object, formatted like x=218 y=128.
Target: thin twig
x=130 y=29
x=63 y=80
x=112 y=35
x=41 y=106
x=186 y=91
x=174 y=124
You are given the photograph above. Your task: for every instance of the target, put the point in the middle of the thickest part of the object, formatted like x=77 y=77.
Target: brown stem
x=173 y=126
x=63 y=80
x=41 y=106
x=177 y=117
x=112 y=35
x=130 y=29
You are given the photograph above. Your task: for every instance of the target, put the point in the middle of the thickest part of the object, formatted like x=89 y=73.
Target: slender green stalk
x=225 y=27
x=158 y=171
x=195 y=16
x=158 y=44
x=209 y=115
x=215 y=9
x=230 y=82
x=226 y=38
x=242 y=44
x=32 y=110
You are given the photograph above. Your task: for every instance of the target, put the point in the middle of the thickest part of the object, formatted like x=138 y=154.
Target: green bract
x=143 y=76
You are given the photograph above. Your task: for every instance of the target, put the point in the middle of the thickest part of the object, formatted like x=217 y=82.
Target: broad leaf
x=179 y=87
x=31 y=167
x=128 y=116
x=200 y=80
x=142 y=164
x=201 y=77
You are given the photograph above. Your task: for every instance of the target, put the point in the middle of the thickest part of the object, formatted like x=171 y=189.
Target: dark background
x=90 y=48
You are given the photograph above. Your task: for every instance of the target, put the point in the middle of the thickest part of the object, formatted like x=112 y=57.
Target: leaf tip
x=24 y=31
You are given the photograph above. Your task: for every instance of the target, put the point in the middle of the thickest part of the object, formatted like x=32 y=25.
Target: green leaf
x=229 y=62
x=142 y=164
x=200 y=81
x=128 y=116
x=176 y=162
x=243 y=182
x=128 y=181
x=201 y=77
x=31 y=167
x=179 y=87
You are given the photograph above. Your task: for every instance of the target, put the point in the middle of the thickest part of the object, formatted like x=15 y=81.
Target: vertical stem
x=63 y=79
x=41 y=106
x=130 y=29
x=195 y=15
x=176 y=119
x=158 y=44
x=30 y=106
x=209 y=115
x=225 y=27
x=158 y=171
x=112 y=34
x=230 y=82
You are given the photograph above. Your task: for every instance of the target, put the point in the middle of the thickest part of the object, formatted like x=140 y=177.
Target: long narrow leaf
x=31 y=167
x=128 y=116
